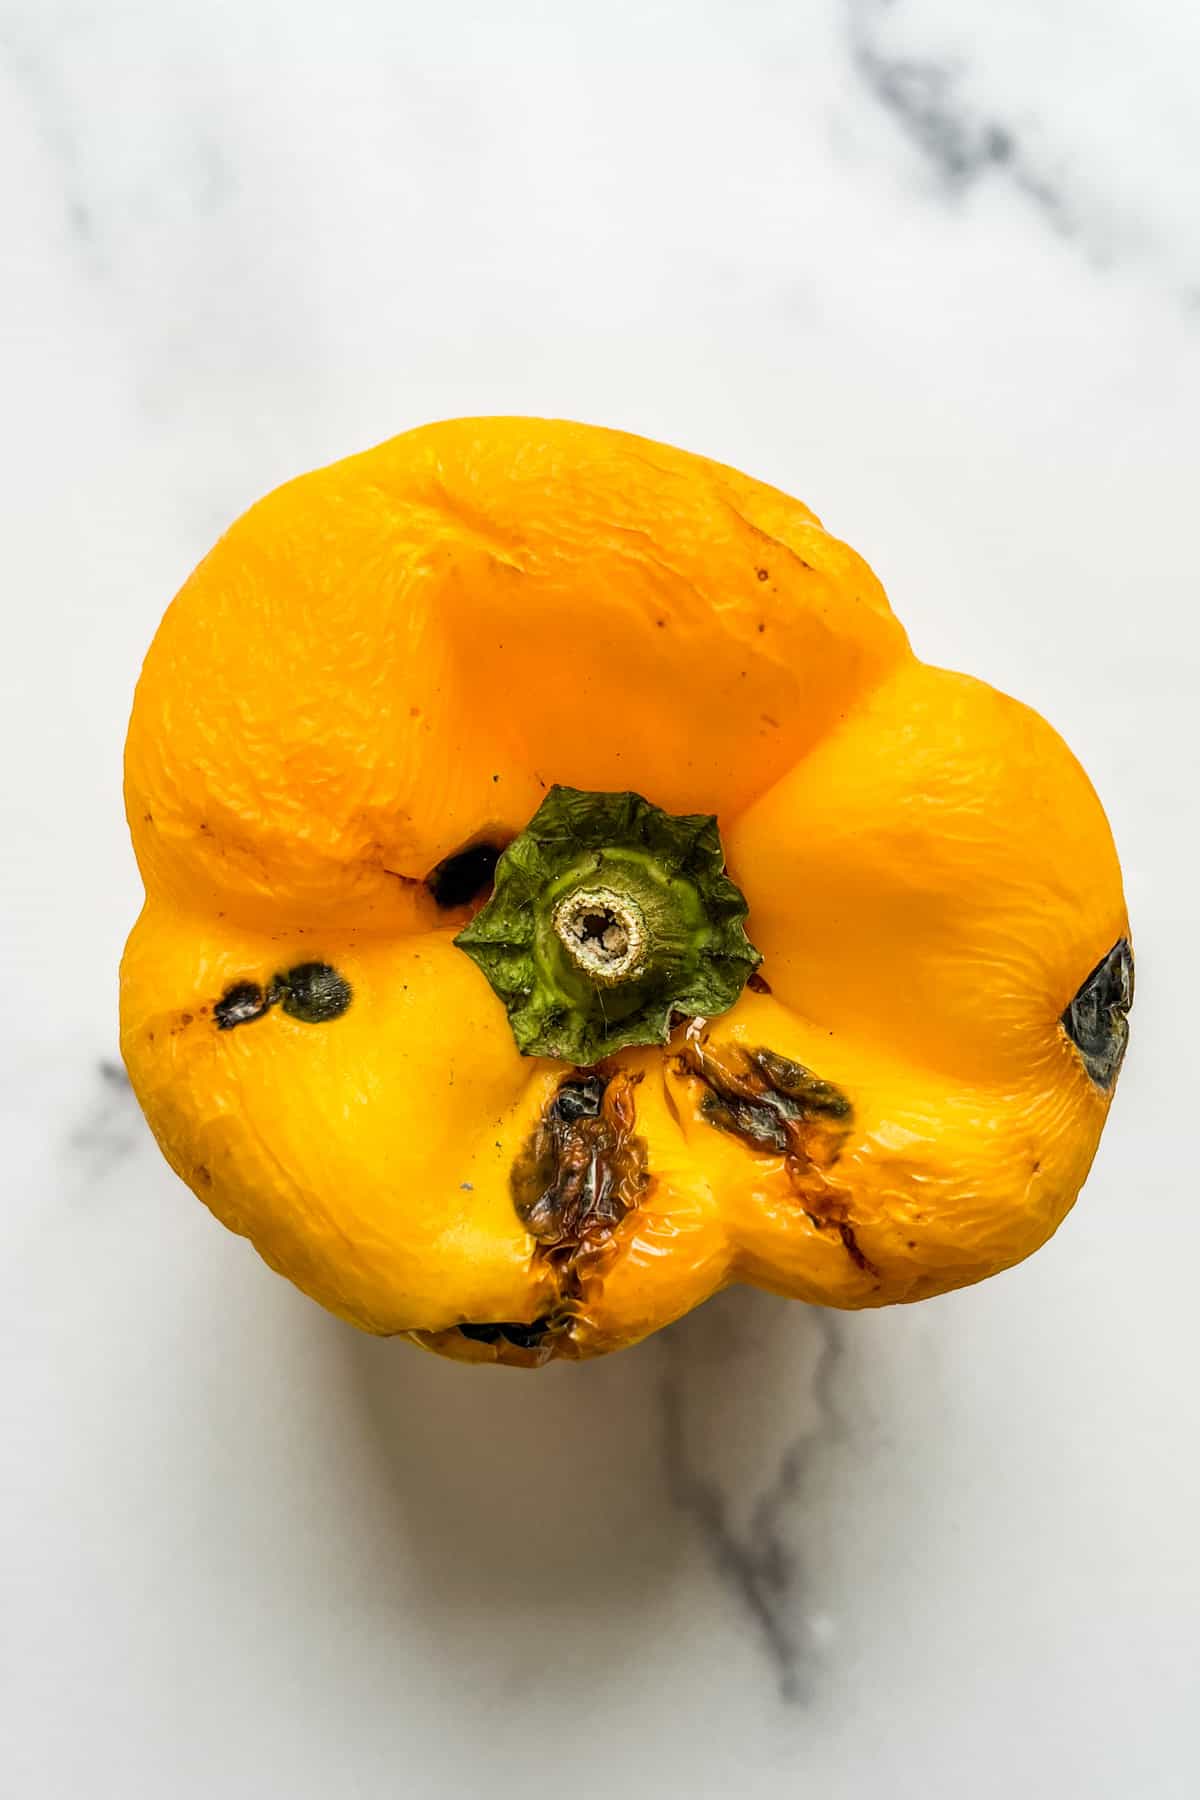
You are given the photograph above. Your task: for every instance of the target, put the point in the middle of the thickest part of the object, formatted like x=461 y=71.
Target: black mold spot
x=578 y=1099
x=1096 y=1021
x=244 y=1001
x=313 y=992
x=461 y=878
x=525 y=1337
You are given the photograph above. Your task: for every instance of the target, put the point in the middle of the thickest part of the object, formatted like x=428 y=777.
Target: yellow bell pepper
x=567 y=894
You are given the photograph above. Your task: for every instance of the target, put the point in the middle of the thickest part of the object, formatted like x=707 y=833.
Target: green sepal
x=670 y=868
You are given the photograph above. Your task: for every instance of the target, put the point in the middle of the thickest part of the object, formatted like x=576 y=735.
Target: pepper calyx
x=608 y=918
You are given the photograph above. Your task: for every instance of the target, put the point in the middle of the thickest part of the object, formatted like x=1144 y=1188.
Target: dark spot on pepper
x=756 y=1123
x=1096 y=1021
x=244 y=1001
x=313 y=992
x=461 y=878
x=583 y=1168
x=578 y=1100
x=763 y=575
x=777 y=1106
x=525 y=1337
x=800 y=1084
x=850 y=1242
x=758 y=984
x=203 y=1175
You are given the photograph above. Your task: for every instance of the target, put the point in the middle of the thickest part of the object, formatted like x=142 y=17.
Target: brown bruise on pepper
x=778 y=1107
x=583 y=1168
x=582 y=1171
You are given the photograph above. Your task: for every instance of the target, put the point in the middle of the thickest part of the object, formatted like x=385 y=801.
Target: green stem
x=609 y=917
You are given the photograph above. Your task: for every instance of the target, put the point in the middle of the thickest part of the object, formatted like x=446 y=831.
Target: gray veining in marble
x=756 y=1557
x=922 y=96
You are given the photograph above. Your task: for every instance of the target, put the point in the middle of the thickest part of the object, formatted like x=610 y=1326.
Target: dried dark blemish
x=762 y=624
x=778 y=1107
x=314 y=992
x=583 y=1169
x=244 y=1001
x=763 y=575
x=461 y=878
x=203 y=1175
x=1096 y=1021
x=758 y=984
x=661 y=623
x=525 y=1337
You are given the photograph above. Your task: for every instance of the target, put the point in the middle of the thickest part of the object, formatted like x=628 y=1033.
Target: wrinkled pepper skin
x=397 y=657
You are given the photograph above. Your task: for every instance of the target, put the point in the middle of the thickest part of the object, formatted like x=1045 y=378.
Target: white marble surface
x=935 y=267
